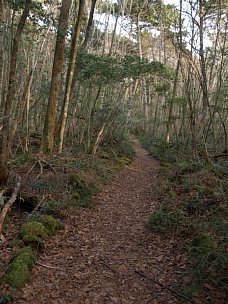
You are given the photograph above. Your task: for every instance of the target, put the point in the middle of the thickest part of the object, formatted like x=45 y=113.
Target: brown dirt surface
x=106 y=254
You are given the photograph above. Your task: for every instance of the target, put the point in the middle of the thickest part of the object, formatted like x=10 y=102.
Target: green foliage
x=82 y=192
x=5 y=299
x=106 y=69
x=162 y=221
x=158 y=148
x=51 y=207
x=220 y=226
x=197 y=191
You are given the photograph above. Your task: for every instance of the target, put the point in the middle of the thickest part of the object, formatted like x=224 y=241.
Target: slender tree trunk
x=170 y=114
x=47 y=143
x=145 y=99
x=89 y=25
x=5 y=140
x=70 y=74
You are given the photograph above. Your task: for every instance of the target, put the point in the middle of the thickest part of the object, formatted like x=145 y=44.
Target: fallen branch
x=142 y=274
x=39 y=204
x=8 y=206
x=47 y=266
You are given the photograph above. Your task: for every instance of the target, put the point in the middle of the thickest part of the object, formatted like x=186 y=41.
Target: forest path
x=101 y=255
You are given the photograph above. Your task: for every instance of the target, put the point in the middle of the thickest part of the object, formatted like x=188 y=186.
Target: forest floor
x=105 y=254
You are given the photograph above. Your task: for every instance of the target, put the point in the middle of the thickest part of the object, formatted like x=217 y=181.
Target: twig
x=164 y=286
x=39 y=204
x=41 y=170
x=48 y=164
x=30 y=170
x=47 y=266
x=133 y=169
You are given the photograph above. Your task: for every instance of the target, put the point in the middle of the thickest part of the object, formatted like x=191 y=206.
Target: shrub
x=82 y=192
x=161 y=221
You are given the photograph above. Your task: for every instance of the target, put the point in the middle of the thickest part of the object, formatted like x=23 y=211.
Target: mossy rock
x=34 y=241
x=51 y=224
x=34 y=234
x=25 y=255
x=17 y=274
x=34 y=228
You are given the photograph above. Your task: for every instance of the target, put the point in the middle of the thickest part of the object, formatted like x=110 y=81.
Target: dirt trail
x=100 y=255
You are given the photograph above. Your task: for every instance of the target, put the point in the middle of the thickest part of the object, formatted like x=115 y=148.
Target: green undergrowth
x=192 y=196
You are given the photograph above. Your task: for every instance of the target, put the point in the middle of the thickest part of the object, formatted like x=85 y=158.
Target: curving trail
x=105 y=254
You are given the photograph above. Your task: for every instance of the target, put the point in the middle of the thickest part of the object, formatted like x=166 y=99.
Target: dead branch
x=142 y=274
x=47 y=266
x=41 y=170
x=39 y=204
x=8 y=206
x=44 y=161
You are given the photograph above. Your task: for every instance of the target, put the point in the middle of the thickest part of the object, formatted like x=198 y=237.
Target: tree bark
x=5 y=136
x=47 y=143
x=70 y=74
x=89 y=25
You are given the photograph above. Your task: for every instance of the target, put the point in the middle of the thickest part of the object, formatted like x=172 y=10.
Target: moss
x=25 y=255
x=34 y=241
x=34 y=234
x=15 y=243
x=34 y=228
x=17 y=274
x=51 y=224
x=122 y=162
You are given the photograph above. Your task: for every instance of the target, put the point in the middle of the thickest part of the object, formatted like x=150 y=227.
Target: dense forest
x=81 y=80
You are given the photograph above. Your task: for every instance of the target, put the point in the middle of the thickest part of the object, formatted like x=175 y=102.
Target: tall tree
x=5 y=138
x=47 y=143
x=70 y=74
x=89 y=25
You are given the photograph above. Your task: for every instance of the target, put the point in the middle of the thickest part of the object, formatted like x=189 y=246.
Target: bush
x=82 y=192
x=161 y=221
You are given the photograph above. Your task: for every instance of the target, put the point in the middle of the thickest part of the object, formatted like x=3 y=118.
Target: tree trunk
x=47 y=143
x=5 y=140
x=70 y=74
x=145 y=99
x=89 y=25
x=170 y=114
